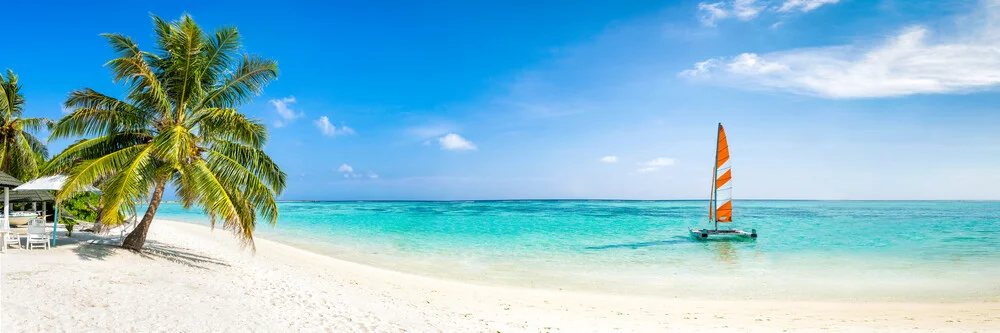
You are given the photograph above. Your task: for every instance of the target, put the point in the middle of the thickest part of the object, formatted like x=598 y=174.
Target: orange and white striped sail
x=723 y=180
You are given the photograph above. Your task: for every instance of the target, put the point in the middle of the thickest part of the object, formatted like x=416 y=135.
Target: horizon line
x=637 y=200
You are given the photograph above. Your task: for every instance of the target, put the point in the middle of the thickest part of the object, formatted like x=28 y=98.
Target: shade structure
x=49 y=183
x=8 y=181
x=31 y=196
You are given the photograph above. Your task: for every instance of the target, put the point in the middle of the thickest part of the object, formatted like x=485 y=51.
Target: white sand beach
x=191 y=279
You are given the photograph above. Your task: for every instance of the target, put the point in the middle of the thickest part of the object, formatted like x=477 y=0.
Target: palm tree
x=177 y=124
x=20 y=151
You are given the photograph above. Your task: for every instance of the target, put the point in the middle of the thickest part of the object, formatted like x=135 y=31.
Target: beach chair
x=37 y=237
x=9 y=237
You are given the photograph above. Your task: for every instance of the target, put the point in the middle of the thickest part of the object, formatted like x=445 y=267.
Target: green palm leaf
x=20 y=150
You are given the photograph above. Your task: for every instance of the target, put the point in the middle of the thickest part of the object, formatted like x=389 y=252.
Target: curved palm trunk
x=99 y=228
x=137 y=237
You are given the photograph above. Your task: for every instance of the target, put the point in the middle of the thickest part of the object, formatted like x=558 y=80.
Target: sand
x=190 y=279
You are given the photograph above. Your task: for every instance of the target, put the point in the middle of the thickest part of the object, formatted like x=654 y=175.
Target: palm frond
x=219 y=55
x=186 y=48
x=88 y=149
x=37 y=124
x=253 y=159
x=128 y=173
x=123 y=45
x=141 y=81
x=35 y=145
x=221 y=203
x=87 y=172
x=175 y=145
x=98 y=114
x=4 y=105
x=13 y=102
x=229 y=124
x=20 y=161
x=239 y=178
x=248 y=80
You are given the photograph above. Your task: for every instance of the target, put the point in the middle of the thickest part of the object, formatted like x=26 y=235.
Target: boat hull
x=705 y=234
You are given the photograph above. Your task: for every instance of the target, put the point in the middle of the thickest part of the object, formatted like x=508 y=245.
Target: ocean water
x=807 y=250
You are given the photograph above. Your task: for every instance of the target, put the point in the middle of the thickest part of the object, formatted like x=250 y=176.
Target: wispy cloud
x=804 y=5
x=609 y=159
x=906 y=64
x=656 y=164
x=745 y=10
x=453 y=141
x=433 y=130
x=285 y=113
x=348 y=172
x=709 y=13
x=328 y=129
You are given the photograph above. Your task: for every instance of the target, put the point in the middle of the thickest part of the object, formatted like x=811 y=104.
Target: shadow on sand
x=184 y=256
x=96 y=247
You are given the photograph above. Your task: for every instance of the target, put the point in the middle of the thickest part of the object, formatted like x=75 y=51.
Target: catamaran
x=720 y=202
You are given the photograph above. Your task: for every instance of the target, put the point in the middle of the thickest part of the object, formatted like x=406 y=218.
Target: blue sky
x=822 y=99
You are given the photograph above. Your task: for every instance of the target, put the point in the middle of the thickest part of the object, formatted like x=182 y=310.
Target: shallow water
x=807 y=250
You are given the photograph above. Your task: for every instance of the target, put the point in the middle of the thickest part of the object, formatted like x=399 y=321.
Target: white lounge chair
x=9 y=237
x=37 y=237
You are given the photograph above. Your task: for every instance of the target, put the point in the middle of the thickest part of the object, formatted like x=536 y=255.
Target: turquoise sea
x=807 y=250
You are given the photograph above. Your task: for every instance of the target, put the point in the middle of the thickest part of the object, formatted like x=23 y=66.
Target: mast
x=715 y=175
x=711 y=196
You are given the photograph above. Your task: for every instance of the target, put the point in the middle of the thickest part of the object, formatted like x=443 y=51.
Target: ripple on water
x=807 y=249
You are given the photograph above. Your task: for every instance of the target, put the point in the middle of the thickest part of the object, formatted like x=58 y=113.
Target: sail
x=723 y=180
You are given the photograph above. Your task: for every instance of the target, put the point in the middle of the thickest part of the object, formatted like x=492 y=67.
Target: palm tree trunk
x=137 y=237
x=99 y=227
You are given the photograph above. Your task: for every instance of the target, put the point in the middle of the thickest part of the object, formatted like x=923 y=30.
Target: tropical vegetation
x=21 y=152
x=82 y=206
x=178 y=125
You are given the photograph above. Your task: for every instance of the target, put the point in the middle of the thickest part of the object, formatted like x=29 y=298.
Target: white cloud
x=701 y=68
x=746 y=10
x=656 y=164
x=453 y=141
x=711 y=12
x=804 y=5
x=286 y=114
x=906 y=64
x=749 y=63
x=328 y=129
x=609 y=159
x=348 y=172
x=659 y=162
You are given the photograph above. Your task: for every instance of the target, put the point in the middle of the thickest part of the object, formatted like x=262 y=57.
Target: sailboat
x=720 y=202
